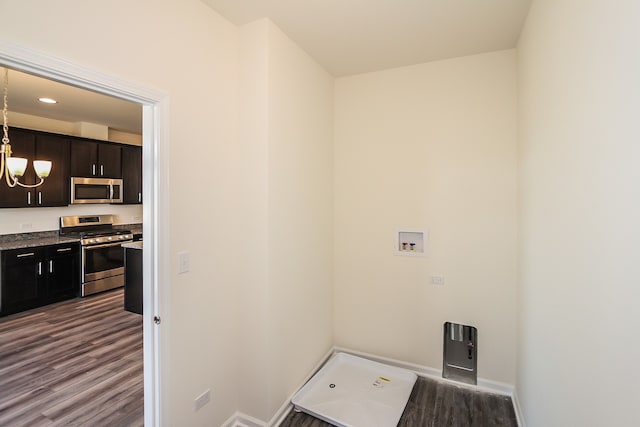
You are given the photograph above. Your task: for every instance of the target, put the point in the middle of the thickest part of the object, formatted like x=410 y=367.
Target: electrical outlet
x=203 y=399
x=183 y=262
x=437 y=280
x=26 y=226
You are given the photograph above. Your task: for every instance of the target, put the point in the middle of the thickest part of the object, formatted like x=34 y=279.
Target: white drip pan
x=350 y=391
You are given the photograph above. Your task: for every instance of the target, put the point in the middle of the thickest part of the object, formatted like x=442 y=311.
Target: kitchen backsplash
x=27 y=220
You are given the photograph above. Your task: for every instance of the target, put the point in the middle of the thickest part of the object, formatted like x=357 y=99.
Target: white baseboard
x=243 y=420
x=281 y=414
x=518 y=409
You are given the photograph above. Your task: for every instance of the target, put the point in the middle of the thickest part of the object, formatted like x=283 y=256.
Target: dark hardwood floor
x=79 y=363
x=75 y=363
x=437 y=404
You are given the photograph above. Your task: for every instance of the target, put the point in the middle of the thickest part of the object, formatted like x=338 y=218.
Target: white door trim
x=155 y=197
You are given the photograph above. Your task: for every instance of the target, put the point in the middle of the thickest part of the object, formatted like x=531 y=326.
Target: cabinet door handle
x=101 y=170
x=51 y=266
x=139 y=197
x=40 y=269
x=63 y=249
x=25 y=255
x=29 y=198
x=93 y=169
x=39 y=197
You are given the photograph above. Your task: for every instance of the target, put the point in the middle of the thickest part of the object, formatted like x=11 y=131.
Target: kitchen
x=62 y=255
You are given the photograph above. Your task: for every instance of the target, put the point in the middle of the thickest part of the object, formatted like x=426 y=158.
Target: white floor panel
x=350 y=391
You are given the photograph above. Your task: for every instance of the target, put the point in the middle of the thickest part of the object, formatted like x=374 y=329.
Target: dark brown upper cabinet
x=131 y=175
x=55 y=189
x=38 y=146
x=95 y=159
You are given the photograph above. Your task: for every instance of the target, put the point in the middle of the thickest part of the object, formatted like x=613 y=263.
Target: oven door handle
x=106 y=245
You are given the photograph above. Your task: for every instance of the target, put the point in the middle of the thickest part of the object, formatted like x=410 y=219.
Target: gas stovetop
x=101 y=238
x=93 y=229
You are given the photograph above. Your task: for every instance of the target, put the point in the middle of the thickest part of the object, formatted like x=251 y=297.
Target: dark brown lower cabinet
x=133 y=280
x=33 y=277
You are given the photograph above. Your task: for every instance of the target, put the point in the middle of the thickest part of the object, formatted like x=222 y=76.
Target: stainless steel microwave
x=95 y=190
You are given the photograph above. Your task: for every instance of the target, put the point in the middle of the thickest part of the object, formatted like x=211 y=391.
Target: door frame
x=155 y=148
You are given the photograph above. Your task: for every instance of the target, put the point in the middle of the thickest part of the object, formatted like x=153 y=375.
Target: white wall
x=300 y=212
x=253 y=287
x=28 y=121
x=27 y=220
x=182 y=48
x=428 y=146
x=285 y=302
x=579 y=68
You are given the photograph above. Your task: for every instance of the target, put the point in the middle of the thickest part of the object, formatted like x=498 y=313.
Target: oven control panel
x=100 y=240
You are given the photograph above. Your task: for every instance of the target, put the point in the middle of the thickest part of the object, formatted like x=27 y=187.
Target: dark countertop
x=31 y=240
x=135 y=228
x=132 y=245
x=44 y=238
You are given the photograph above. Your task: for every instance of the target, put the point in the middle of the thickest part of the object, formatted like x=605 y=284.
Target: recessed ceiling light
x=48 y=100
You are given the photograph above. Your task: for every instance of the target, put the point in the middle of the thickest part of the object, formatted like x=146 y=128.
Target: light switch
x=183 y=262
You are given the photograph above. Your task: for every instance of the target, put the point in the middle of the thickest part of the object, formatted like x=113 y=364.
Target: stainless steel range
x=102 y=253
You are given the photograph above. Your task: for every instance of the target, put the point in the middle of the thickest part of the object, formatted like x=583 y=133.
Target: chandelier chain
x=42 y=167
x=5 y=126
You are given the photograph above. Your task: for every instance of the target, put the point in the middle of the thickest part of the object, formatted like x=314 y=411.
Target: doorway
x=155 y=200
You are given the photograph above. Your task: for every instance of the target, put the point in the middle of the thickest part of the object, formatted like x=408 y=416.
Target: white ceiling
x=345 y=36
x=358 y=36
x=74 y=104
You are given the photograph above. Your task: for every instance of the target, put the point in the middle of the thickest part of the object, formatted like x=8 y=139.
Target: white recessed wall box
x=411 y=242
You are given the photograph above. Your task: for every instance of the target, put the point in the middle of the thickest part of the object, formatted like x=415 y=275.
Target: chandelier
x=14 y=167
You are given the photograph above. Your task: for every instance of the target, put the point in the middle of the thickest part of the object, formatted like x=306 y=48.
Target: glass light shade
x=42 y=167
x=16 y=166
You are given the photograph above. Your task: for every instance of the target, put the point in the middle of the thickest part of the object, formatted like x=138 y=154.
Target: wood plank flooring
x=438 y=404
x=74 y=363
x=79 y=363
